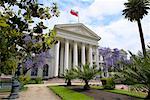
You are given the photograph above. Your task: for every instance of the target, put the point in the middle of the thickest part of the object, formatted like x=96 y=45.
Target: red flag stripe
x=75 y=13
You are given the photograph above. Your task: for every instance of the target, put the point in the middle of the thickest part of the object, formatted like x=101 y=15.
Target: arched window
x=45 y=70
x=34 y=71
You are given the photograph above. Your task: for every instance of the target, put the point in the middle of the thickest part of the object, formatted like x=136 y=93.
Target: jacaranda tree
x=112 y=57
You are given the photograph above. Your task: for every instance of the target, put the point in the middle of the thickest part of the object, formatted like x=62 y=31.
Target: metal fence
x=5 y=83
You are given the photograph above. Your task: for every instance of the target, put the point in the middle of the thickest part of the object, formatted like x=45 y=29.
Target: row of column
x=75 y=56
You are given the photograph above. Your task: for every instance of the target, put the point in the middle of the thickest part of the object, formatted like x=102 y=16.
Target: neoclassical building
x=77 y=45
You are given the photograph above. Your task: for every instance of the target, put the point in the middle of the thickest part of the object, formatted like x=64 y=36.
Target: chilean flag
x=73 y=12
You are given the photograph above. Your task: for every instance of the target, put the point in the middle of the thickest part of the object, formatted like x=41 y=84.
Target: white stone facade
x=77 y=45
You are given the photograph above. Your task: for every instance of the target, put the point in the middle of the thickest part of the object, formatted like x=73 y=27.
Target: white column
x=107 y=73
x=75 y=54
x=56 y=59
x=49 y=71
x=90 y=56
x=49 y=64
x=102 y=70
x=70 y=57
x=66 y=62
x=101 y=65
x=62 y=59
x=83 y=54
x=97 y=58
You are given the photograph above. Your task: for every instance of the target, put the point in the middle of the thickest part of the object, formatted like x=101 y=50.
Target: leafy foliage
x=20 y=38
x=38 y=80
x=86 y=73
x=24 y=80
x=137 y=72
x=108 y=83
x=69 y=75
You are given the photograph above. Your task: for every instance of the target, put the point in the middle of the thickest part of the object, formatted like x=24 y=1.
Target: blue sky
x=105 y=18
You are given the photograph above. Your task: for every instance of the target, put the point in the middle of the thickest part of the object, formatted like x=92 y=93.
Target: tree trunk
x=86 y=86
x=69 y=82
x=14 y=90
x=141 y=37
x=148 y=96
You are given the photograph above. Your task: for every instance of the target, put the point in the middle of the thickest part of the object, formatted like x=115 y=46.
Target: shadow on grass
x=80 y=89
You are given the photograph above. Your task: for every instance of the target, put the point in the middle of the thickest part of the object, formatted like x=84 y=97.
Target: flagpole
x=75 y=13
x=78 y=19
x=78 y=15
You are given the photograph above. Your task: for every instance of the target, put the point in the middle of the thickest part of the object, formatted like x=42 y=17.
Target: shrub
x=23 y=80
x=38 y=80
x=69 y=75
x=108 y=83
x=86 y=73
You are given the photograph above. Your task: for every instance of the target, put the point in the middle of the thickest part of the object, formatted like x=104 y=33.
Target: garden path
x=38 y=93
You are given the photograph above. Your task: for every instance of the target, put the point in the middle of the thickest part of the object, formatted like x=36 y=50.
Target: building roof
x=78 y=28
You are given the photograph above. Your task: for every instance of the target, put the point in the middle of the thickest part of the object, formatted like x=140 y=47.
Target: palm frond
x=136 y=72
x=136 y=9
x=86 y=72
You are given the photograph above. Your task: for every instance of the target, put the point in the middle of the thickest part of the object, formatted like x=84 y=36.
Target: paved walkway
x=38 y=93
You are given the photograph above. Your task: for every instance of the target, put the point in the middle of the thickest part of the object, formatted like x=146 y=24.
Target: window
x=34 y=71
x=45 y=70
x=93 y=57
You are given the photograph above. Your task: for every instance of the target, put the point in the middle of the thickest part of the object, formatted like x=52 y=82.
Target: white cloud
x=120 y=33
x=123 y=34
x=106 y=7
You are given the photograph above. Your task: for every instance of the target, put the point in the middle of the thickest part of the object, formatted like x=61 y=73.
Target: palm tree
x=135 y=10
x=69 y=75
x=86 y=73
x=137 y=73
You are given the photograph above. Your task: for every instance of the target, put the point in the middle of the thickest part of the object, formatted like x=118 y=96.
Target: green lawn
x=124 y=92
x=129 y=93
x=67 y=94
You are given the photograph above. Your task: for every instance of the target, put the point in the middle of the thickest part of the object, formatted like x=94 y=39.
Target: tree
x=113 y=57
x=86 y=73
x=69 y=75
x=135 y=11
x=137 y=72
x=19 y=42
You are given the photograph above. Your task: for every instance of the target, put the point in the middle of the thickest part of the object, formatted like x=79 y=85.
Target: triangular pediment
x=79 y=29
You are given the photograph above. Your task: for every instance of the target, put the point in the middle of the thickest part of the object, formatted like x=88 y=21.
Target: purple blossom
x=28 y=63
x=27 y=38
x=112 y=57
x=104 y=51
x=39 y=60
